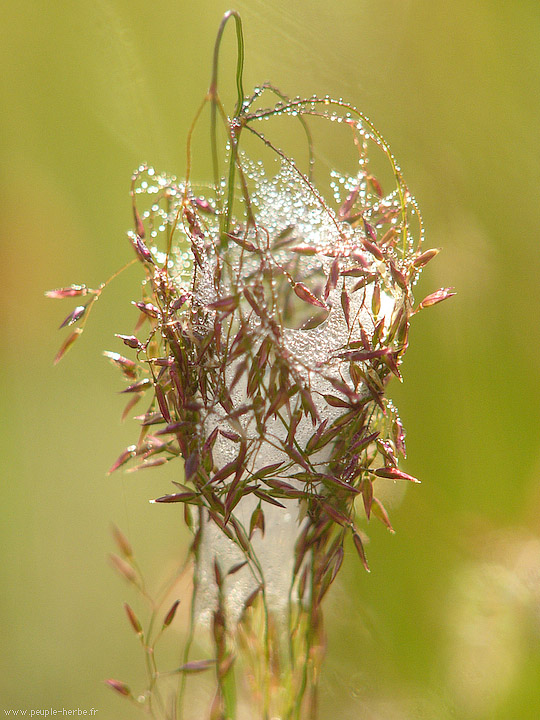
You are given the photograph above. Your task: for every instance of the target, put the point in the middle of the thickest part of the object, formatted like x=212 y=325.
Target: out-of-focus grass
x=446 y=625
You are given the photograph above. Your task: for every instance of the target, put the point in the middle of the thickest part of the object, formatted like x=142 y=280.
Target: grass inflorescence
x=270 y=322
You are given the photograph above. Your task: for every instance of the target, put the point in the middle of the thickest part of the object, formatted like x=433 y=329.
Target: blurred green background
x=447 y=625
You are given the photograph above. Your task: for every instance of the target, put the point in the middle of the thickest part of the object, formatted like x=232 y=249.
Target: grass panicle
x=273 y=313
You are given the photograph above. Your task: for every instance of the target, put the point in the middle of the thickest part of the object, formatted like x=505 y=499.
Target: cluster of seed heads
x=270 y=322
x=240 y=347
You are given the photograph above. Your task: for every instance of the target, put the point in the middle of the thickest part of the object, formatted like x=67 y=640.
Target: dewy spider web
x=276 y=319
